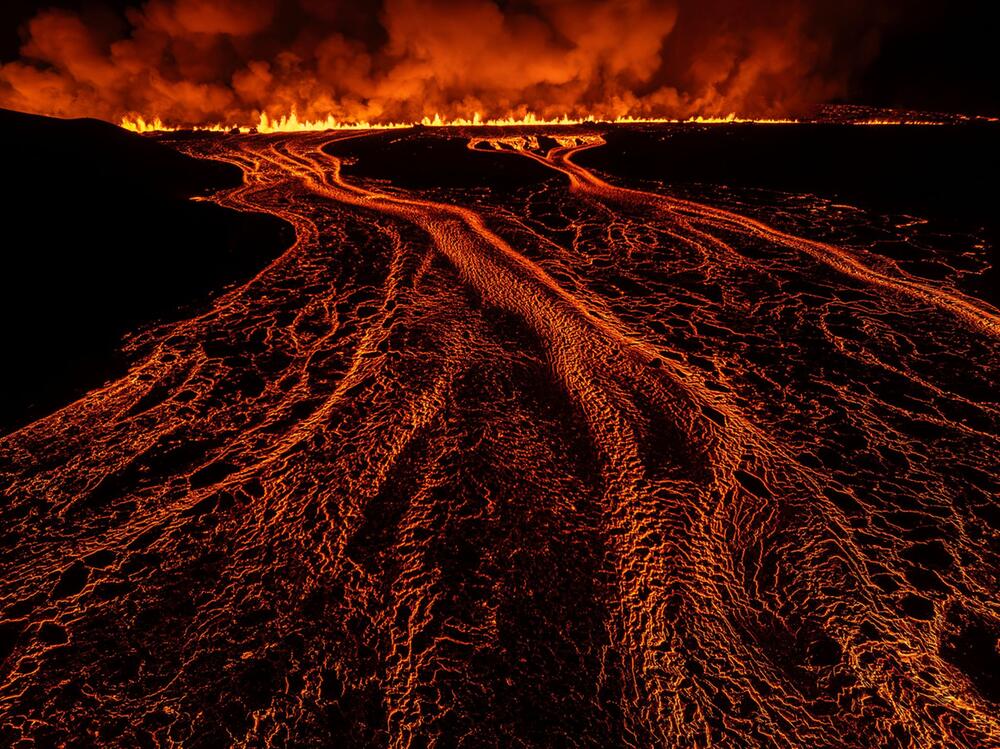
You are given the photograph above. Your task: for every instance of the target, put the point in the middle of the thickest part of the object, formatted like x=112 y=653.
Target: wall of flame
x=205 y=61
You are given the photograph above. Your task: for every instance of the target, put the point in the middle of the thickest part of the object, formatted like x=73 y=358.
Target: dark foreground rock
x=100 y=237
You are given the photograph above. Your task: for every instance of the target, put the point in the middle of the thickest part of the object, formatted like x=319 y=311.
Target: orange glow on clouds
x=198 y=62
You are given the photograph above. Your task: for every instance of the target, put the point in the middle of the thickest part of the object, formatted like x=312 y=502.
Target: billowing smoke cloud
x=197 y=61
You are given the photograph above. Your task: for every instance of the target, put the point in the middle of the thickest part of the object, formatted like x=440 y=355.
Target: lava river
x=594 y=464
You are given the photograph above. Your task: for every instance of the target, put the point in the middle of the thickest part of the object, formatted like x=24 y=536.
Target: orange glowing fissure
x=291 y=123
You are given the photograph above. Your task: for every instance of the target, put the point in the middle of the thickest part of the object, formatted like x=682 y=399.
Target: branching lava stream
x=584 y=465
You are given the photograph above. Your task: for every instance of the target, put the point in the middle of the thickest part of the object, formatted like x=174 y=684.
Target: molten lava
x=578 y=463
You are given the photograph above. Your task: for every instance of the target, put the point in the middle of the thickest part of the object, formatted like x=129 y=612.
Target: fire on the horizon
x=199 y=62
x=292 y=124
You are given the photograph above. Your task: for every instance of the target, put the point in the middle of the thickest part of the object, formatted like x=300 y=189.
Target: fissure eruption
x=499 y=373
x=199 y=62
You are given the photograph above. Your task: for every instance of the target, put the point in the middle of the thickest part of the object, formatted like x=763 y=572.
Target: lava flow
x=577 y=463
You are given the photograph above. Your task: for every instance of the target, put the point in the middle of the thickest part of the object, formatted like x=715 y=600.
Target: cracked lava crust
x=585 y=461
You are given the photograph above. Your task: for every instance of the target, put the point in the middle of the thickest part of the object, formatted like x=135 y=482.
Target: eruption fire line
x=292 y=124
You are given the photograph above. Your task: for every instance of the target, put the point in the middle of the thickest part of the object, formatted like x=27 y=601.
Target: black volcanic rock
x=49 y=154
x=419 y=159
x=99 y=238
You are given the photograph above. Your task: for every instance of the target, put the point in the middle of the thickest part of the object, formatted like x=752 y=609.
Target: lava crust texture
x=558 y=459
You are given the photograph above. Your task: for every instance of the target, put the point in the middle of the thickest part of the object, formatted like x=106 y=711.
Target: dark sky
x=931 y=55
x=938 y=55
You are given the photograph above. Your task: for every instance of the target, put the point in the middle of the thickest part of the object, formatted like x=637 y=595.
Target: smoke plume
x=199 y=61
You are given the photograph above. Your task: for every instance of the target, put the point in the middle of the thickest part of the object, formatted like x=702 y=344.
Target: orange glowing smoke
x=197 y=62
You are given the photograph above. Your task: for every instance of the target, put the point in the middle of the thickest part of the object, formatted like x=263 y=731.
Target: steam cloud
x=198 y=61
